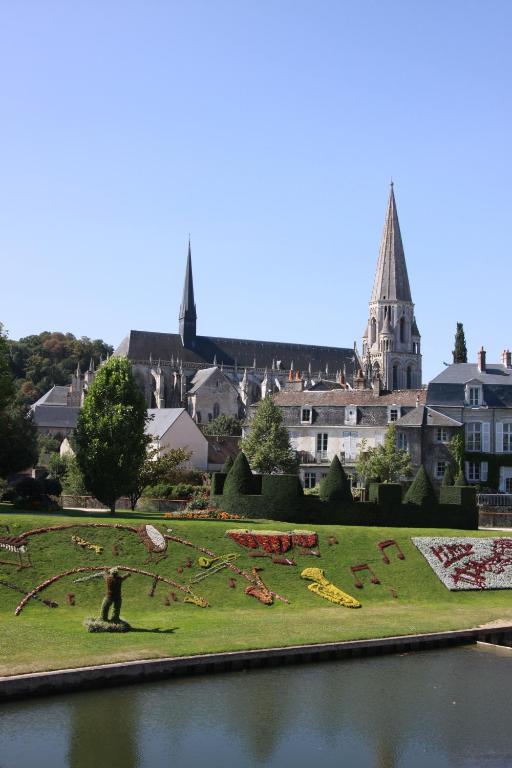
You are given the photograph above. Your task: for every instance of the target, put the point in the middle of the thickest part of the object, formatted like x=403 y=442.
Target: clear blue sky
x=269 y=130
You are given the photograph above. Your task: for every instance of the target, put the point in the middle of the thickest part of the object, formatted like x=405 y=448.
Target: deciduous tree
x=110 y=439
x=386 y=462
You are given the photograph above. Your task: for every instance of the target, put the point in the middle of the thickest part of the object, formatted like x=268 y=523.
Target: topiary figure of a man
x=113 y=584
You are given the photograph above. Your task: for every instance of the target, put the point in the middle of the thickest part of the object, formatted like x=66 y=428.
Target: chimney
x=481 y=360
x=506 y=358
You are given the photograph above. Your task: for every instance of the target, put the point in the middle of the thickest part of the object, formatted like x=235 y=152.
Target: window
x=440 y=469
x=210 y=417
x=393 y=414
x=402 y=441
x=395 y=376
x=442 y=435
x=309 y=479
x=216 y=410
x=306 y=415
x=473 y=471
x=409 y=377
x=507 y=438
x=198 y=417
x=474 y=436
x=508 y=485
x=321 y=441
x=474 y=396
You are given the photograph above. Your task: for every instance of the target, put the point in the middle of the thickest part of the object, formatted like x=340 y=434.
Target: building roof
x=149 y=345
x=342 y=397
x=391 y=279
x=55 y=416
x=57 y=395
x=425 y=416
x=449 y=387
x=162 y=420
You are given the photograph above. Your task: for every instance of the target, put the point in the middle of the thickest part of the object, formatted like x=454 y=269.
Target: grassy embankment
x=42 y=638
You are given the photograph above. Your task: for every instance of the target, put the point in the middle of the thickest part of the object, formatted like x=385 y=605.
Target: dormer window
x=306 y=415
x=474 y=395
x=394 y=413
x=350 y=414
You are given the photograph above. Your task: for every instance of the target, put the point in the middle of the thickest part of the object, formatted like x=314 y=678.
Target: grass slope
x=42 y=638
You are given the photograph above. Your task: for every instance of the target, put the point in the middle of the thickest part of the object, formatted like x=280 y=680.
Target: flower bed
x=469 y=563
x=273 y=542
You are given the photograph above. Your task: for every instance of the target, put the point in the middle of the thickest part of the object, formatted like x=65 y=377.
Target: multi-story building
x=479 y=397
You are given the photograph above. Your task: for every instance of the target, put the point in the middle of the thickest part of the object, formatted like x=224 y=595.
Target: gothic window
x=409 y=376
x=402 y=330
x=216 y=410
x=373 y=331
x=395 y=376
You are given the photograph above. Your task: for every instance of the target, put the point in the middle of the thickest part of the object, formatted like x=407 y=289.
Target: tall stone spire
x=188 y=315
x=391 y=342
x=391 y=279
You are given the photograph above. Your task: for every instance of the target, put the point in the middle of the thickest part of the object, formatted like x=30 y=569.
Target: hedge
x=239 y=478
x=385 y=493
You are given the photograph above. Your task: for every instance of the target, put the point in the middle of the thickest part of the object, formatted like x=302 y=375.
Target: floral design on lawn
x=469 y=563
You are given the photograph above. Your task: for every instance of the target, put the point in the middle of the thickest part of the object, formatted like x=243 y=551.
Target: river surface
x=436 y=709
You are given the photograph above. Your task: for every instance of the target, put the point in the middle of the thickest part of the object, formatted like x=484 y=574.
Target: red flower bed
x=305 y=539
x=274 y=543
x=244 y=538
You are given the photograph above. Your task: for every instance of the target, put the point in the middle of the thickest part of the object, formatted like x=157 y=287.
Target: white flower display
x=159 y=542
x=467 y=562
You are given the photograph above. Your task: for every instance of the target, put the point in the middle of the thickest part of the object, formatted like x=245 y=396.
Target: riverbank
x=410 y=599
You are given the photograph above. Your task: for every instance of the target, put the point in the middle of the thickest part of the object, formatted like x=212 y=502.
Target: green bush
x=218 y=480
x=239 y=480
x=420 y=492
x=335 y=486
x=387 y=494
x=228 y=464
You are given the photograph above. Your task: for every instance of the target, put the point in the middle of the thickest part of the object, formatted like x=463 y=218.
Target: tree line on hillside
x=40 y=361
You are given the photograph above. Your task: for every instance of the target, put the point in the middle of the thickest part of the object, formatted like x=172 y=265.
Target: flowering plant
x=469 y=563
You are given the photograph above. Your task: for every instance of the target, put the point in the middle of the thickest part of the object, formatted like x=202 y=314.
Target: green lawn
x=42 y=638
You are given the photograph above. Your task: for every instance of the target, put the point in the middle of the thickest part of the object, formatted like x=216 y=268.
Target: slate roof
x=425 y=416
x=448 y=388
x=391 y=279
x=145 y=345
x=56 y=416
x=163 y=419
x=57 y=395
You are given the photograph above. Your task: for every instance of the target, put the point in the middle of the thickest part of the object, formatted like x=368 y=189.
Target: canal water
x=437 y=709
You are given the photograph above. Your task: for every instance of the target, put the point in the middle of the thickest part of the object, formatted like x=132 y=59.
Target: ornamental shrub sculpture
x=448 y=478
x=335 y=486
x=227 y=465
x=420 y=492
x=239 y=479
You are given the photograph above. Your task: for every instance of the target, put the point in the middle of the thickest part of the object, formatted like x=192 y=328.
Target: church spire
x=188 y=315
x=391 y=279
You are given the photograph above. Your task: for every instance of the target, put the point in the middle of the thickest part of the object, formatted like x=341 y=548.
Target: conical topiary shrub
x=335 y=486
x=228 y=464
x=420 y=491
x=448 y=476
x=460 y=479
x=239 y=479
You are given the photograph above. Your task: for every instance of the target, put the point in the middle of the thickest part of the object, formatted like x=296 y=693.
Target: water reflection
x=442 y=709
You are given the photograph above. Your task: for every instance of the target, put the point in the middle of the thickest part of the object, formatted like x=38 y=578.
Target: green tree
x=18 y=437
x=457 y=449
x=156 y=469
x=223 y=425
x=110 y=439
x=386 y=462
x=239 y=479
x=267 y=446
x=420 y=491
x=460 y=353
x=6 y=378
x=335 y=486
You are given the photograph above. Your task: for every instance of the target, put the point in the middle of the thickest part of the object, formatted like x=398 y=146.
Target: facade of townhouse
x=479 y=396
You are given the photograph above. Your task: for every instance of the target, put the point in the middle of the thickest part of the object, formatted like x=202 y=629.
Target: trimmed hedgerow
x=239 y=480
x=335 y=486
x=420 y=492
